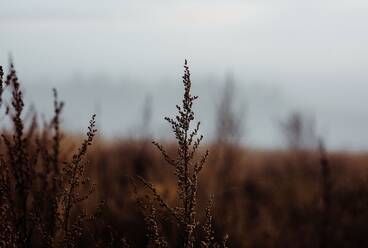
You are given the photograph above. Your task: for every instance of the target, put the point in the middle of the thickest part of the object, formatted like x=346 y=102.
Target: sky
x=313 y=54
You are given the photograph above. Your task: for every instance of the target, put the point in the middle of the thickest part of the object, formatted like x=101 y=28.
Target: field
x=64 y=190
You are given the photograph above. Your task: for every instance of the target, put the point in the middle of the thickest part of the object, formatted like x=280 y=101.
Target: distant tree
x=147 y=116
x=230 y=119
x=299 y=131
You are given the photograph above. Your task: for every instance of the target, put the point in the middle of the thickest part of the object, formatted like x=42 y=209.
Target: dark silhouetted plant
x=39 y=193
x=186 y=169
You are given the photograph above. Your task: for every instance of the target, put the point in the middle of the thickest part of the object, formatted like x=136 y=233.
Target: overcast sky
x=316 y=50
x=283 y=40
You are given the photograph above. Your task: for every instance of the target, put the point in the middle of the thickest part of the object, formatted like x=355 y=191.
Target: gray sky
x=315 y=51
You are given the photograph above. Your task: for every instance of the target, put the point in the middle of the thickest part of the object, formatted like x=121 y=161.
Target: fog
x=106 y=57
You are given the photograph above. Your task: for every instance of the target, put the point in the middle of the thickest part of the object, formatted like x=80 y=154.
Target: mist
x=284 y=55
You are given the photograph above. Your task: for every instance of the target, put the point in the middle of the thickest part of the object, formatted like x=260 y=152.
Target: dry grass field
x=60 y=190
